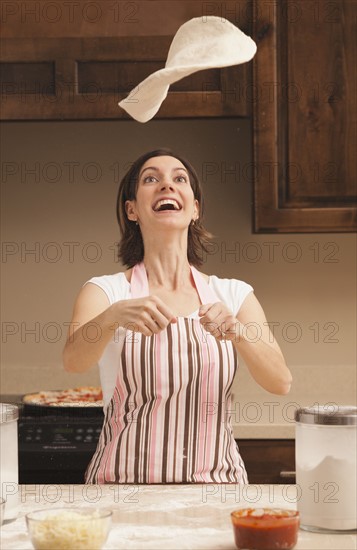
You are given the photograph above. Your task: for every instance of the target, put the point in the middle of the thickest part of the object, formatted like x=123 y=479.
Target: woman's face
x=164 y=195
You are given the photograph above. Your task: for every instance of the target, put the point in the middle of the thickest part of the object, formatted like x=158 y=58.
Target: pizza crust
x=82 y=396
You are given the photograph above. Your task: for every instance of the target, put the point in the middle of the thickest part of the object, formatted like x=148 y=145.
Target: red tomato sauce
x=265 y=529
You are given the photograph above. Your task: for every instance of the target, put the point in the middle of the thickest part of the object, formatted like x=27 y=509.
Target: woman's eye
x=181 y=179
x=149 y=179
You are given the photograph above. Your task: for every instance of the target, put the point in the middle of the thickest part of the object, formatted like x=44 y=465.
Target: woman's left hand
x=253 y=339
x=218 y=320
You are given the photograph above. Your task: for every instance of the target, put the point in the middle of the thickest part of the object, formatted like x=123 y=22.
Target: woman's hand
x=94 y=322
x=148 y=315
x=219 y=321
x=251 y=336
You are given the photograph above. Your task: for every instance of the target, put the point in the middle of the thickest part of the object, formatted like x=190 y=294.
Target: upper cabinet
x=304 y=113
x=76 y=60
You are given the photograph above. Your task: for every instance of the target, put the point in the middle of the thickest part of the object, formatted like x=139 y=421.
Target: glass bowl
x=265 y=528
x=69 y=528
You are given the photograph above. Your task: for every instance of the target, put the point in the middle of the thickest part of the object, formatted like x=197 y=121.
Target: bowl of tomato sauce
x=265 y=528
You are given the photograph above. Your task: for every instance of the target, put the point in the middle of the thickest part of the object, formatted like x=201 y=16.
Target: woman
x=166 y=339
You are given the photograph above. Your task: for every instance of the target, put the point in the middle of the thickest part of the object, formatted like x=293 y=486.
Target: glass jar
x=326 y=467
x=9 y=469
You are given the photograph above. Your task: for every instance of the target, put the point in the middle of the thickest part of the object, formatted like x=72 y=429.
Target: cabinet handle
x=285 y=474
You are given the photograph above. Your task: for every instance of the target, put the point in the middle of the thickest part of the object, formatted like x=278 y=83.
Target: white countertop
x=165 y=516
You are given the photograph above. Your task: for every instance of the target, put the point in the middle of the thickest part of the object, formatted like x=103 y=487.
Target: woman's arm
x=95 y=321
x=253 y=339
x=259 y=349
x=89 y=331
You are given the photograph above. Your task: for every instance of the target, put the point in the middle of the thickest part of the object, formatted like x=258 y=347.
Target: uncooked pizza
x=83 y=396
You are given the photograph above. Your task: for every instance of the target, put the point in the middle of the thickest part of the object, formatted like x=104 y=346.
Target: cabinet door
x=305 y=116
x=269 y=460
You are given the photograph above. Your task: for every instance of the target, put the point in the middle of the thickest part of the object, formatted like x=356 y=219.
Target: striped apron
x=169 y=418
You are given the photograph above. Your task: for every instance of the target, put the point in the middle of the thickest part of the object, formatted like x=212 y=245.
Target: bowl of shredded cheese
x=69 y=528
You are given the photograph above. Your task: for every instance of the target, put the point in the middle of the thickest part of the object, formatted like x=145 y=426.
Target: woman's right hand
x=94 y=321
x=148 y=315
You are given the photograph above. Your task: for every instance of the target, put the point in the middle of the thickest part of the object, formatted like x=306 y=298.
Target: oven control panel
x=59 y=433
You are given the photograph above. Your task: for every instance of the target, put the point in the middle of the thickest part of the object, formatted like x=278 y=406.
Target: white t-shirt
x=232 y=292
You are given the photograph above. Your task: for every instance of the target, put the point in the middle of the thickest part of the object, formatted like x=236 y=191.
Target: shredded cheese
x=70 y=530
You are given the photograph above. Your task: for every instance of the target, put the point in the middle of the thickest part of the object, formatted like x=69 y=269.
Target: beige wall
x=59 y=191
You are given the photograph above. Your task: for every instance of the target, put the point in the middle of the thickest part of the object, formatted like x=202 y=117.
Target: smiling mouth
x=166 y=204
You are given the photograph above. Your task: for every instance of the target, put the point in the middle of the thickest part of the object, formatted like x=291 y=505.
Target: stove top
x=55 y=445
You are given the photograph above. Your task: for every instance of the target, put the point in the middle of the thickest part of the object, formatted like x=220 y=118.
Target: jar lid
x=8 y=412
x=330 y=414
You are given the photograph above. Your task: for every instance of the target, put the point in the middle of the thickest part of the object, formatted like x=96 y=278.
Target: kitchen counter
x=165 y=516
x=263 y=431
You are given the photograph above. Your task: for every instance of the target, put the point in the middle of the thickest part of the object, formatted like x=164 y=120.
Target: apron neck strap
x=140 y=284
x=139 y=281
x=206 y=293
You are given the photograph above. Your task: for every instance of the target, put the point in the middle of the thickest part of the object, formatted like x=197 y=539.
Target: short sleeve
x=232 y=292
x=116 y=287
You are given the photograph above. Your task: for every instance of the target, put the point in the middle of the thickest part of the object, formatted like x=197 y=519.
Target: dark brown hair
x=131 y=246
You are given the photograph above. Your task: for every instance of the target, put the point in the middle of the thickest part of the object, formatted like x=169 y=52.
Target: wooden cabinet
x=76 y=60
x=304 y=113
x=269 y=460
